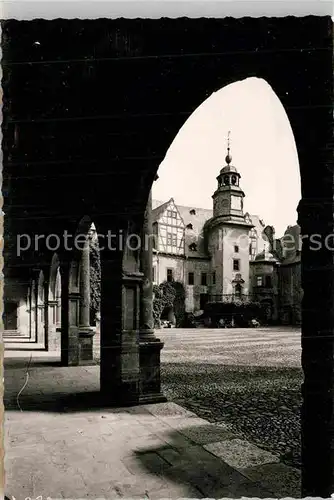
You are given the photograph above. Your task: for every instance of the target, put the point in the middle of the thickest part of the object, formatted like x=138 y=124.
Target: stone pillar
x=317 y=413
x=119 y=366
x=40 y=323
x=86 y=333
x=31 y=312
x=53 y=336
x=46 y=316
x=149 y=345
x=146 y=297
x=70 y=300
x=85 y=287
x=39 y=334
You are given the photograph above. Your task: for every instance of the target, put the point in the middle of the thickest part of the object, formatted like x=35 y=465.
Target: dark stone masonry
x=89 y=111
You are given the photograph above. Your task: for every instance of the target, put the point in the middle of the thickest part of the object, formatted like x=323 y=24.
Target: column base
x=126 y=394
x=150 y=384
x=147 y=335
x=145 y=399
x=86 y=335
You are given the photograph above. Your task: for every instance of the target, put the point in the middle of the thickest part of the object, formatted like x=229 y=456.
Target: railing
x=228 y=298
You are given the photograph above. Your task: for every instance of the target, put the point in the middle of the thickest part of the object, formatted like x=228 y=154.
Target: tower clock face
x=235 y=203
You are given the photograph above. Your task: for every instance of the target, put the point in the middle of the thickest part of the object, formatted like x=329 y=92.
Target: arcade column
x=85 y=333
x=149 y=346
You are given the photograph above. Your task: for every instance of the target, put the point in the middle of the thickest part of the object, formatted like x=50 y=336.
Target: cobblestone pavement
x=56 y=447
x=249 y=379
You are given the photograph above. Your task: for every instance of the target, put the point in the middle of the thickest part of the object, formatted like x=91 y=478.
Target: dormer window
x=192 y=211
x=193 y=247
x=189 y=226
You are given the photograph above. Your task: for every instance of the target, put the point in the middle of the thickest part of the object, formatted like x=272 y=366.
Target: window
x=193 y=247
x=169 y=275
x=250 y=249
x=189 y=226
x=268 y=281
x=238 y=290
x=258 y=280
x=204 y=279
x=192 y=211
x=236 y=265
x=172 y=214
x=153 y=273
x=236 y=249
x=191 y=278
x=172 y=239
x=214 y=277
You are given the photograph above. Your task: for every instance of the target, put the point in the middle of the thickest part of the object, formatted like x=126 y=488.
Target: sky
x=262 y=148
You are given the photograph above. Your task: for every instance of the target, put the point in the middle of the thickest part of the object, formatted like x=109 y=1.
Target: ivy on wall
x=95 y=279
x=169 y=294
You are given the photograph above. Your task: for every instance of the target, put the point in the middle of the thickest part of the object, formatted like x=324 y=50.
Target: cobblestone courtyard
x=247 y=378
x=242 y=387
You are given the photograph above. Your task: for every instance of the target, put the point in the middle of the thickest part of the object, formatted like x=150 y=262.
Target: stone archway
x=293 y=55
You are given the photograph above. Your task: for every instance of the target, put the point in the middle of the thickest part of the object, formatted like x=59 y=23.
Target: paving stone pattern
x=59 y=448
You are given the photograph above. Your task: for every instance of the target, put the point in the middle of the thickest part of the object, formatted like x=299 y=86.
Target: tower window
x=203 y=279
x=189 y=226
x=226 y=180
x=192 y=211
x=236 y=265
x=191 y=278
x=169 y=275
x=236 y=249
x=234 y=180
x=258 y=280
x=214 y=277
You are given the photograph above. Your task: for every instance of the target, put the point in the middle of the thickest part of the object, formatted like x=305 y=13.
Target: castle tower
x=228 y=234
x=228 y=197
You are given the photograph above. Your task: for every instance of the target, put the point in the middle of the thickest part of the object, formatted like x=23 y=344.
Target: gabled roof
x=292 y=248
x=198 y=220
x=159 y=210
x=195 y=235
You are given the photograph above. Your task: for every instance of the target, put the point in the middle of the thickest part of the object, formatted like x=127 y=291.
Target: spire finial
x=228 y=158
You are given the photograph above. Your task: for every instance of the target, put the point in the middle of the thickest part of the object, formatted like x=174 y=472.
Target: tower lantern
x=228 y=198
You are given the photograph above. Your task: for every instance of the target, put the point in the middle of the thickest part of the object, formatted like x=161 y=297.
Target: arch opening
x=221 y=237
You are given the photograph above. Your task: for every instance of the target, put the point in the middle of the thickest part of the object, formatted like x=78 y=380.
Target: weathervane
x=228 y=157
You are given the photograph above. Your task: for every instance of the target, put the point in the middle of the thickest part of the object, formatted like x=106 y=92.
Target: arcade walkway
x=64 y=445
